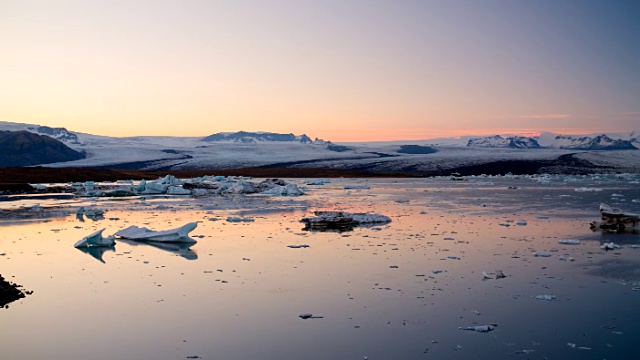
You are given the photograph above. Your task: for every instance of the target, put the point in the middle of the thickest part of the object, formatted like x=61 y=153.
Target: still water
x=397 y=291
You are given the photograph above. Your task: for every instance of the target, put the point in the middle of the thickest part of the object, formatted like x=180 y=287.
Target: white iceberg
x=545 y=297
x=286 y=190
x=177 y=190
x=569 y=242
x=95 y=239
x=479 y=328
x=180 y=234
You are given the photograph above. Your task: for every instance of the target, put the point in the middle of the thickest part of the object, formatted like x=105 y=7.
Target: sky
x=345 y=70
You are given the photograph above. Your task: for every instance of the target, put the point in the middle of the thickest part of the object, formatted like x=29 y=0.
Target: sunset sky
x=345 y=70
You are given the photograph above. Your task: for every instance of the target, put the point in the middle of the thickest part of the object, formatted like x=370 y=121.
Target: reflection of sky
x=344 y=71
x=242 y=296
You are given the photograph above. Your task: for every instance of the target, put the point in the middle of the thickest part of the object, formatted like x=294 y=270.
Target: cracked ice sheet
x=264 y=286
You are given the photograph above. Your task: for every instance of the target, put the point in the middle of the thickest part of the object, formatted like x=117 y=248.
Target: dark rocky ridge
x=24 y=148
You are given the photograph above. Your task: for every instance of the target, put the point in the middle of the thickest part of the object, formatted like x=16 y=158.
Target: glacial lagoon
x=402 y=290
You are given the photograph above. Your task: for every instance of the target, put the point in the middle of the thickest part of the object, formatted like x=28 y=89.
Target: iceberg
x=286 y=190
x=95 y=239
x=180 y=234
x=616 y=220
x=342 y=220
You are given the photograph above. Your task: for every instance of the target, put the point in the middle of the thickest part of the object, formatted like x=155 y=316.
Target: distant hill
x=24 y=148
x=255 y=137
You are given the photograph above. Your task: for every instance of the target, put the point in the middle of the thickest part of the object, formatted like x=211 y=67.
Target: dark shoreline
x=18 y=178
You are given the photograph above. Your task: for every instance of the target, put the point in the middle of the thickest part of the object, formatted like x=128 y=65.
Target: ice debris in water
x=479 y=328
x=616 y=220
x=95 y=239
x=298 y=246
x=587 y=189
x=90 y=213
x=339 y=219
x=609 y=246
x=498 y=274
x=357 y=187
x=180 y=234
x=286 y=190
x=521 y=223
x=318 y=182
x=239 y=219
x=541 y=254
x=569 y=242
x=545 y=297
x=310 y=316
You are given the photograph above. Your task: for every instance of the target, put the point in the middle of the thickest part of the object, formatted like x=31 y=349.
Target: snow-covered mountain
x=599 y=142
x=59 y=133
x=510 y=142
x=255 y=137
x=494 y=154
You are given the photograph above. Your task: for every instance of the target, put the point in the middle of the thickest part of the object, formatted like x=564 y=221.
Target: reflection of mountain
x=180 y=249
x=97 y=251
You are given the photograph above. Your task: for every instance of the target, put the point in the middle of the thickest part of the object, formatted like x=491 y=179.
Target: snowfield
x=167 y=152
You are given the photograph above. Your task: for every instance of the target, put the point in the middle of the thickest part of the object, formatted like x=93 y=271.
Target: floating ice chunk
x=239 y=219
x=587 y=189
x=343 y=220
x=521 y=223
x=569 y=242
x=180 y=234
x=479 y=328
x=545 y=297
x=617 y=195
x=614 y=219
x=39 y=187
x=298 y=246
x=286 y=190
x=95 y=239
x=155 y=188
x=540 y=254
x=609 y=246
x=177 y=190
x=357 y=187
x=310 y=316
x=495 y=275
x=318 y=182
x=170 y=180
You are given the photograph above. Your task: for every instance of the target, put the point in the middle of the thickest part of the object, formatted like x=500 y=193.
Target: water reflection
x=178 y=248
x=97 y=252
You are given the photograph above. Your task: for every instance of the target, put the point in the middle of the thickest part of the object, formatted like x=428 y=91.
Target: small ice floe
x=96 y=239
x=569 y=242
x=616 y=220
x=357 y=187
x=90 y=213
x=545 y=297
x=542 y=217
x=617 y=195
x=541 y=254
x=237 y=219
x=180 y=234
x=498 y=274
x=286 y=190
x=309 y=316
x=522 y=223
x=562 y=258
x=342 y=220
x=609 y=246
x=453 y=257
x=178 y=190
x=479 y=328
x=318 y=182
x=435 y=272
x=587 y=189
x=302 y=246
x=572 y=345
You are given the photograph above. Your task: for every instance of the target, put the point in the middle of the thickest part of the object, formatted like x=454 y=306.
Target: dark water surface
x=397 y=291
